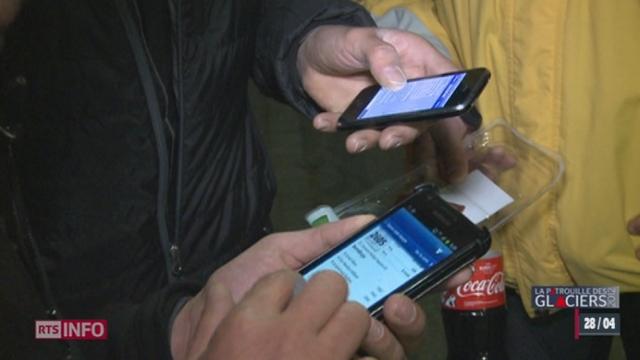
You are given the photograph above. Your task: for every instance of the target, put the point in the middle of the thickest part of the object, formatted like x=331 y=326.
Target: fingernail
x=361 y=146
x=406 y=313
x=395 y=77
x=376 y=331
x=322 y=123
x=392 y=143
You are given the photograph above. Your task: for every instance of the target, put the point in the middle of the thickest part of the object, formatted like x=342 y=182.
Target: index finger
x=309 y=244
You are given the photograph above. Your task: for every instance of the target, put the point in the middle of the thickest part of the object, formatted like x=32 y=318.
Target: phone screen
x=419 y=95
x=387 y=256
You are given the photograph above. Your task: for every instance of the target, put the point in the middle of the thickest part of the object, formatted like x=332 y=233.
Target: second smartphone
x=415 y=246
x=433 y=97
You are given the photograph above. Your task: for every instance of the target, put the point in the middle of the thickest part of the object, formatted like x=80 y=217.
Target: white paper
x=480 y=196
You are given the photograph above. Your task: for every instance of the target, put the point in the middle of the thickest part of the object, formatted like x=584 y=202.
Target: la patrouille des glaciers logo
x=592 y=299
x=584 y=297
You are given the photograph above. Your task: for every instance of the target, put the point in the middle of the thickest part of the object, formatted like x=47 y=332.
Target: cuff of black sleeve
x=145 y=327
x=154 y=320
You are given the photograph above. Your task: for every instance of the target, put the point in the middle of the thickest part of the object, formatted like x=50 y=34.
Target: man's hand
x=288 y=250
x=196 y=322
x=336 y=62
x=271 y=324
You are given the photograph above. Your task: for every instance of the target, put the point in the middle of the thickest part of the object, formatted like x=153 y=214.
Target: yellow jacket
x=567 y=75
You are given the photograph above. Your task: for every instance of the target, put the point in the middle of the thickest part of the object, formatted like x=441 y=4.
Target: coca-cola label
x=484 y=290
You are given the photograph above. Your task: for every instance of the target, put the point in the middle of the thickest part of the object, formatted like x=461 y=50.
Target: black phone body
x=412 y=248
x=432 y=97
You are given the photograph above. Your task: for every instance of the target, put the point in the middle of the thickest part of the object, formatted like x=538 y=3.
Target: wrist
x=179 y=329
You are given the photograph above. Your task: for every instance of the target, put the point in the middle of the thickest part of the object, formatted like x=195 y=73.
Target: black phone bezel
x=460 y=102
x=475 y=243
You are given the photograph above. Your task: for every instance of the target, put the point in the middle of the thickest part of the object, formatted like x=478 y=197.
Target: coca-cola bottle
x=474 y=313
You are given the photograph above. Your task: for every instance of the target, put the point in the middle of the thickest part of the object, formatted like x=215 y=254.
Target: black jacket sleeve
x=283 y=27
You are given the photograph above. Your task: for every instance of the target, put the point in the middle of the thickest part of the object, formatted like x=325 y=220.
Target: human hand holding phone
x=196 y=322
x=290 y=251
x=337 y=62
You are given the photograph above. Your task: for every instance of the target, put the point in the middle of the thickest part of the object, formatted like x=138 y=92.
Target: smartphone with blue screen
x=412 y=248
x=428 y=98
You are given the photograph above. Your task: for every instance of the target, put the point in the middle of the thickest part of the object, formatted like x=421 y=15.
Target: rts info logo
x=71 y=329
